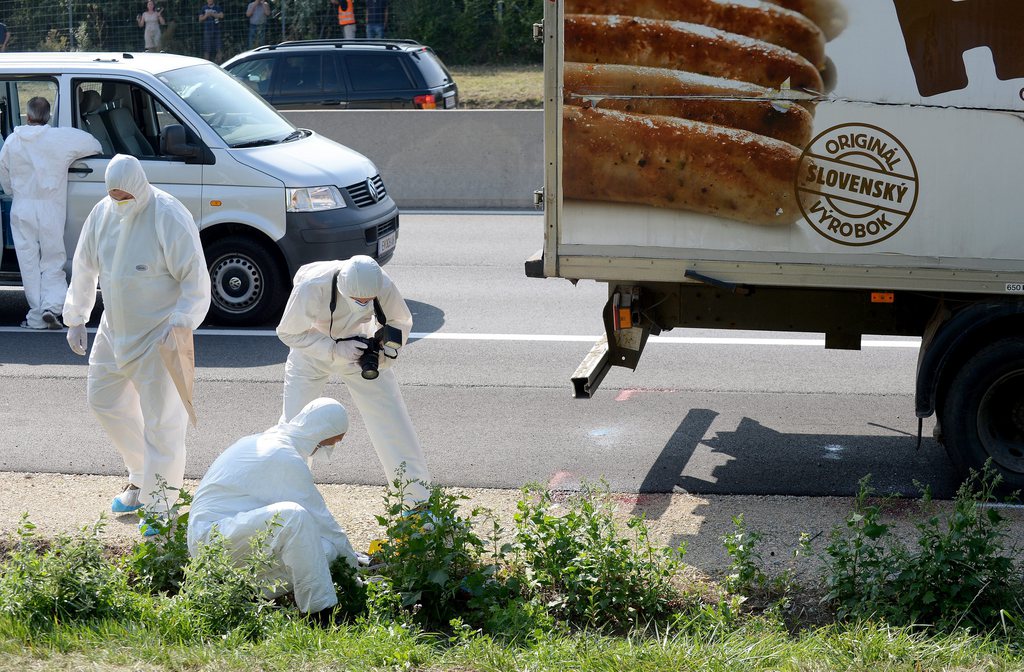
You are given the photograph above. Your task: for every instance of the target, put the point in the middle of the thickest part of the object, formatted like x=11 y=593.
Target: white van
x=267 y=197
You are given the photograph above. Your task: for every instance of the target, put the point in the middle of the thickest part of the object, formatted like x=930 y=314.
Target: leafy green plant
x=351 y=590
x=221 y=595
x=157 y=563
x=745 y=572
x=960 y=571
x=584 y=570
x=71 y=581
x=432 y=556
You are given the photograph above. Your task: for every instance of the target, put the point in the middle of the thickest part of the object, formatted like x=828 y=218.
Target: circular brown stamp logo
x=857 y=184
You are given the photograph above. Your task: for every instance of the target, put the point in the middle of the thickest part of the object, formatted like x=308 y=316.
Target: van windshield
x=239 y=116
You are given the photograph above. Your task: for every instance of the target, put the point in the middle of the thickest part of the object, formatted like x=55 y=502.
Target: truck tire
x=983 y=413
x=247 y=284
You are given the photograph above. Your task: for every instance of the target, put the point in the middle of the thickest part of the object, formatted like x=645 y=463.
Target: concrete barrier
x=444 y=159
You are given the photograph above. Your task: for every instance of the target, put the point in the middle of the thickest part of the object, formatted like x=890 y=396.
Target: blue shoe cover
x=148 y=530
x=118 y=507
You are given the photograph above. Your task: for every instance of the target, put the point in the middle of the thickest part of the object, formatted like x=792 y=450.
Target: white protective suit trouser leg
x=143 y=415
x=383 y=410
x=302 y=558
x=38 y=234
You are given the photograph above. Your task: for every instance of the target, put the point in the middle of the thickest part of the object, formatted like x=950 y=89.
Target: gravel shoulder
x=61 y=503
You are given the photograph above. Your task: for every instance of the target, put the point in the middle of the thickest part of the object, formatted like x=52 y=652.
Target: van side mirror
x=174 y=141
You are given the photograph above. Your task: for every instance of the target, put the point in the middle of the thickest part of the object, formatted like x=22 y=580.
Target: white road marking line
x=557 y=338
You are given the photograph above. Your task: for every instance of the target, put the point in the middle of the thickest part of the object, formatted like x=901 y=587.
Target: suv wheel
x=247 y=284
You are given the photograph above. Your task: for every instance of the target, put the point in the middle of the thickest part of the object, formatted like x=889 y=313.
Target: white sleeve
x=296 y=327
x=395 y=308
x=183 y=253
x=81 y=144
x=85 y=273
x=293 y=482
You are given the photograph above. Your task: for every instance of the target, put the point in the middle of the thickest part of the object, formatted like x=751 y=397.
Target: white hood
x=320 y=419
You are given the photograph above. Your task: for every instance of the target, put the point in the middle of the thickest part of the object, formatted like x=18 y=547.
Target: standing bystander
x=376 y=18
x=346 y=17
x=34 y=166
x=257 y=11
x=210 y=15
x=5 y=36
x=151 y=20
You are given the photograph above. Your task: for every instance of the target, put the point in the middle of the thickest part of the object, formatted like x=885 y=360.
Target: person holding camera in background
x=348 y=318
x=151 y=20
x=257 y=11
x=210 y=15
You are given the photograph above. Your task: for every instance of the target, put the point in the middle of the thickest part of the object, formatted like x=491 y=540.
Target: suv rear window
x=430 y=67
x=377 y=72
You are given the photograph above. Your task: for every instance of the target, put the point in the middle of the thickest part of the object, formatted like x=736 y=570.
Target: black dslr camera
x=386 y=338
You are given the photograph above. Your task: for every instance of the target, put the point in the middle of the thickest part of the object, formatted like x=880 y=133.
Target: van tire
x=983 y=413
x=247 y=284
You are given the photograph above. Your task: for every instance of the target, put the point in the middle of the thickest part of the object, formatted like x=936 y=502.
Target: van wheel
x=247 y=284
x=983 y=414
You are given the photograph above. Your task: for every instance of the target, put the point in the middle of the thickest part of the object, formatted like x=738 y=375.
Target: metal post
x=284 y=3
x=71 y=25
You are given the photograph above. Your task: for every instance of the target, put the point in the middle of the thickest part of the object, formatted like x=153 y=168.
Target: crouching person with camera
x=347 y=318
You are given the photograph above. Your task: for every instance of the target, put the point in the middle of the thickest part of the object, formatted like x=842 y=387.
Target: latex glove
x=180 y=320
x=349 y=351
x=78 y=339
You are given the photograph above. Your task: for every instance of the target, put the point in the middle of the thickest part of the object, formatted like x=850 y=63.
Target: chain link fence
x=461 y=31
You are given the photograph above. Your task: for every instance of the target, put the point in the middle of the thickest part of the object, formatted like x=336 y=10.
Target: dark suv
x=354 y=74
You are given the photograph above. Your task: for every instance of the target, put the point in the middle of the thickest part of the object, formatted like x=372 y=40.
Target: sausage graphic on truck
x=846 y=167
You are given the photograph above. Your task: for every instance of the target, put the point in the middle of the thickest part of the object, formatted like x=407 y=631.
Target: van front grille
x=368 y=192
x=381 y=230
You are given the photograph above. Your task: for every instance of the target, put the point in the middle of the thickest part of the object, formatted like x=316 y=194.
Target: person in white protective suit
x=263 y=482
x=142 y=245
x=34 y=166
x=319 y=347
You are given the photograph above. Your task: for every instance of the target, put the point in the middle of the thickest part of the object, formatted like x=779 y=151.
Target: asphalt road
x=487 y=384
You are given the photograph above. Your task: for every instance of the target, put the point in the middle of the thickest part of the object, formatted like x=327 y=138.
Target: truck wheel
x=983 y=414
x=247 y=284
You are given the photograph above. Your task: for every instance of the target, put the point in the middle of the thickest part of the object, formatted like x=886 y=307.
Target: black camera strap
x=378 y=312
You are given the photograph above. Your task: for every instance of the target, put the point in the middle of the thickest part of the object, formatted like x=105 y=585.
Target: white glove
x=349 y=351
x=180 y=320
x=78 y=339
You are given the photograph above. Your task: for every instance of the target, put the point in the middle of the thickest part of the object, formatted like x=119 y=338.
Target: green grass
x=760 y=645
x=499 y=87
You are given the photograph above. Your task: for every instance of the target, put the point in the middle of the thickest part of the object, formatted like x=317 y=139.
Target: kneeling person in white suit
x=331 y=302
x=264 y=478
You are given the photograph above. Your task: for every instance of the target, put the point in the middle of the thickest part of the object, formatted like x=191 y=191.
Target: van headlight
x=314 y=199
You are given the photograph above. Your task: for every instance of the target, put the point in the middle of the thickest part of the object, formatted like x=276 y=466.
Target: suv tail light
x=427 y=102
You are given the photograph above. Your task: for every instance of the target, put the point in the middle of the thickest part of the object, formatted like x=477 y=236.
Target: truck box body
x=910 y=179
x=840 y=166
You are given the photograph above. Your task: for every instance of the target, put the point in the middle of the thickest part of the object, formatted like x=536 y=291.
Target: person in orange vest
x=346 y=17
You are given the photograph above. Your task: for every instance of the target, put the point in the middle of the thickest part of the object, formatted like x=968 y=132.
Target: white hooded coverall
x=148 y=260
x=263 y=476
x=34 y=166
x=304 y=329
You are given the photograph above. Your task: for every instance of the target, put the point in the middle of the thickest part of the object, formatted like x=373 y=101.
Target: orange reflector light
x=625 y=319
x=427 y=102
x=216 y=204
x=883 y=297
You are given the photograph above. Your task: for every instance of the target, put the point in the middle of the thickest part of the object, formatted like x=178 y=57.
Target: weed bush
x=433 y=557
x=220 y=596
x=71 y=581
x=959 y=573
x=584 y=570
x=157 y=563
